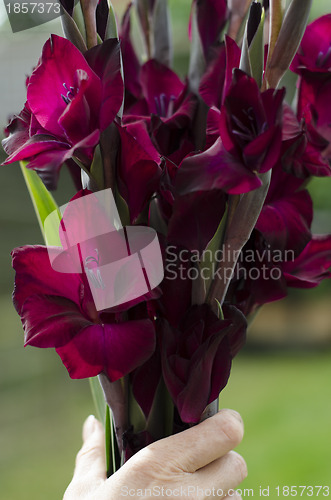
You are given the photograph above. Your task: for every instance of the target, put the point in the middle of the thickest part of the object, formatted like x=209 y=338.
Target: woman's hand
x=197 y=464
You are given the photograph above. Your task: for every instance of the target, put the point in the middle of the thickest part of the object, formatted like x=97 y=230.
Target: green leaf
x=288 y=41
x=160 y=419
x=245 y=63
x=110 y=451
x=143 y=11
x=197 y=63
x=96 y=170
x=220 y=310
x=252 y=52
x=43 y=203
x=276 y=10
x=71 y=31
x=98 y=398
x=156 y=220
x=104 y=415
x=256 y=52
x=136 y=415
x=78 y=17
x=208 y=262
x=163 y=50
x=111 y=28
x=238 y=17
x=122 y=208
x=238 y=232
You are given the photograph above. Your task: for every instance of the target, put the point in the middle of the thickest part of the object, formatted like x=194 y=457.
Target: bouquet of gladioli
x=206 y=176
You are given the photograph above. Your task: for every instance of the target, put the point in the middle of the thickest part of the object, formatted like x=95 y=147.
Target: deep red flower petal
x=105 y=60
x=116 y=349
x=138 y=172
x=35 y=275
x=17 y=131
x=36 y=145
x=145 y=380
x=312 y=265
x=215 y=169
x=51 y=321
x=196 y=357
x=84 y=355
x=211 y=85
x=160 y=86
x=285 y=223
x=314 y=51
x=195 y=218
x=131 y=64
x=211 y=16
x=58 y=65
x=78 y=118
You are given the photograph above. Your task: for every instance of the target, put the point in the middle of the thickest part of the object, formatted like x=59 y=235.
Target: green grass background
x=283 y=396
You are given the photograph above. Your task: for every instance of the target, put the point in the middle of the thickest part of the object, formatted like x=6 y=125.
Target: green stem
x=237 y=234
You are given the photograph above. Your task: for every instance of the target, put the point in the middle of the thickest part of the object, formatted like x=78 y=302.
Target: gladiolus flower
x=71 y=99
x=249 y=142
x=197 y=356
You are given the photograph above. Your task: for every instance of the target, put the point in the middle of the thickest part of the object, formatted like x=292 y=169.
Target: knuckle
x=88 y=453
x=161 y=460
x=232 y=428
x=239 y=465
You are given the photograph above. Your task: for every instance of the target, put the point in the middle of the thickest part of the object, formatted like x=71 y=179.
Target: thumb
x=91 y=458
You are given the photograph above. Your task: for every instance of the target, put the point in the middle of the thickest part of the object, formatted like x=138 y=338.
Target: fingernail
x=89 y=427
x=234 y=414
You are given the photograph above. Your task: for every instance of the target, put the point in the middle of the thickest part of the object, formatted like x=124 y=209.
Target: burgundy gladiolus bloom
x=249 y=142
x=314 y=54
x=217 y=79
x=250 y=124
x=131 y=63
x=196 y=357
x=57 y=310
x=211 y=18
x=156 y=125
x=281 y=251
x=312 y=265
x=139 y=167
x=313 y=64
x=271 y=275
x=287 y=214
x=165 y=109
x=71 y=99
x=302 y=147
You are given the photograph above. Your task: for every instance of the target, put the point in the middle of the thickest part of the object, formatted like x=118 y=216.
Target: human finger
x=204 y=443
x=225 y=474
x=234 y=496
x=91 y=460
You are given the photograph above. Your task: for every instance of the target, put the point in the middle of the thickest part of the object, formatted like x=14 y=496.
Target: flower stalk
x=237 y=235
x=89 y=8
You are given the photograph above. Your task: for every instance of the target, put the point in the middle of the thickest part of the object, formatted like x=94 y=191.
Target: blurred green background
x=280 y=382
